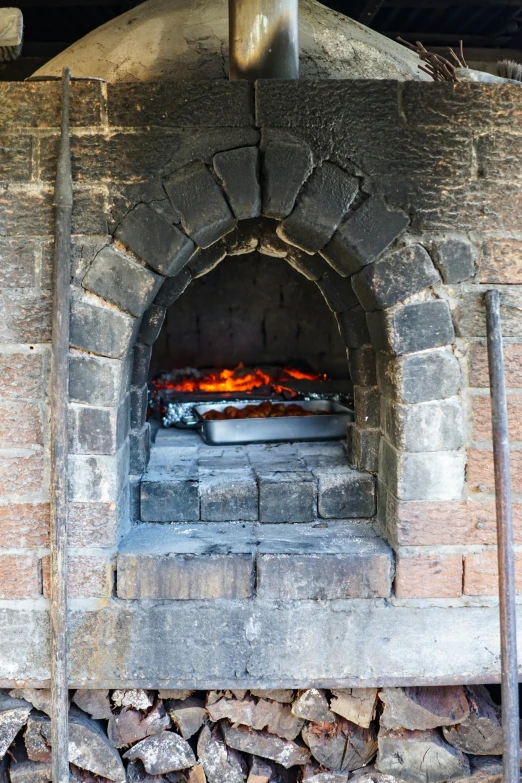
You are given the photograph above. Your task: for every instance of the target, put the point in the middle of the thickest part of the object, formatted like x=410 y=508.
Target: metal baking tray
x=329 y=425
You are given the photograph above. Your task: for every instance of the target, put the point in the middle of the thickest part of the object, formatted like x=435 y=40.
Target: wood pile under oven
x=365 y=735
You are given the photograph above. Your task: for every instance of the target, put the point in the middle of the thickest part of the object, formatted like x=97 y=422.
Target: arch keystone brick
x=238 y=171
x=161 y=244
x=325 y=199
x=286 y=166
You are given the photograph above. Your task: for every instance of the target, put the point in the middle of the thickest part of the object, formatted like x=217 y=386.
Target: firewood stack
x=365 y=735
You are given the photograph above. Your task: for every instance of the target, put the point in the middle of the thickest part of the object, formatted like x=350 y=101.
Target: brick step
x=188 y=481
x=341 y=560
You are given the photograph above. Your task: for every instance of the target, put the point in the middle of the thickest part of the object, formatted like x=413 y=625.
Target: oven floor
x=189 y=481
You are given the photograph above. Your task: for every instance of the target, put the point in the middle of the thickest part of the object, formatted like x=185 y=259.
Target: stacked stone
x=259 y=736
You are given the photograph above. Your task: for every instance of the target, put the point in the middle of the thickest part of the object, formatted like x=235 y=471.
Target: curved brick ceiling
x=185 y=39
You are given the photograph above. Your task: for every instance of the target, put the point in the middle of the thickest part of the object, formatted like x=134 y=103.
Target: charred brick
x=238 y=171
x=286 y=167
x=411 y=328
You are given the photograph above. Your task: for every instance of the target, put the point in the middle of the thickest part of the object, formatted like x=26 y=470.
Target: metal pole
x=506 y=558
x=63 y=201
x=263 y=39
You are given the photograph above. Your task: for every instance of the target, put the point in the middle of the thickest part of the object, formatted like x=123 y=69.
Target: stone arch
x=320 y=221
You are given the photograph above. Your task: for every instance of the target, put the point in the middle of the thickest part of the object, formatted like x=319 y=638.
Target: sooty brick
x=324 y=201
x=362 y=364
x=238 y=171
x=205 y=260
x=172 y=288
x=228 y=498
x=139 y=449
x=286 y=496
x=312 y=267
x=286 y=166
x=455 y=259
x=170 y=496
x=101 y=330
x=431 y=375
x=364 y=235
x=141 y=364
x=394 y=277
x=195 y=194
x=97 y=381
x=411 y=328
x=337 y=291
x=119 y=279
x=151 y=324
x=139 y=399
x=161 y=244
x=344 y=493
x=353 y=327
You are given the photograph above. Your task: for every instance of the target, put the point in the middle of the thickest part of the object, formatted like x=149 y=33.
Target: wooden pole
x=506 y=552
x=63 y=201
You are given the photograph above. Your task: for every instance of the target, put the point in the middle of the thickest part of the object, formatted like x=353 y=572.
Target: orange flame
x=236 y=380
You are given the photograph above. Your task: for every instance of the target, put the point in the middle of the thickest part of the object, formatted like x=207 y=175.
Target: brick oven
x=266 y=222
x=422 y=221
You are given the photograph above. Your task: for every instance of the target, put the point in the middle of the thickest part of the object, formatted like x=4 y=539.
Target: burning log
x=341 y=746
x=165 y=752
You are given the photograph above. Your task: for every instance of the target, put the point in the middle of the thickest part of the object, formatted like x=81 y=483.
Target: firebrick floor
x=288 y=521
x=189 y=481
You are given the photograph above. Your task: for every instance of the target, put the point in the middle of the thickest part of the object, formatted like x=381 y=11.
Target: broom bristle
x=510 y=69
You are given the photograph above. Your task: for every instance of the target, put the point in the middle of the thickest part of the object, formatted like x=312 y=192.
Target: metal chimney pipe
x=264 y=39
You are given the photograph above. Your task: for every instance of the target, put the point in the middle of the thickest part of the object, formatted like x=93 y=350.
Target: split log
x=312 y=704
x=284 y=696
x=173 y=694
x=130 y=726
x=166 y=752
x=371 y=775
x=89 y=747
x=188 y=715
x=30 y=772
x=357 y=705
x=260 y=771
x=214 y=696
x=481 y=732
x=220 y=763
x=419 y=757
x=197 y=775
x=260 y=743
x=94 y=702
x=40 y=698
x=236 y=694
x=341 y=746
x=259 y=714
x=136 y=774
x=423 y=708
x=138 y=699
x=35 y=744
x=314 y=773
x=13 y=716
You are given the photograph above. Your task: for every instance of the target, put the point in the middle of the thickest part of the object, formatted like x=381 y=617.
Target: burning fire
x=237 y=380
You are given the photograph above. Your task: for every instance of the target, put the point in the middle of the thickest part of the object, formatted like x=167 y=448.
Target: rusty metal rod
x=506 y=556
x=263 y=39
x=63 y=201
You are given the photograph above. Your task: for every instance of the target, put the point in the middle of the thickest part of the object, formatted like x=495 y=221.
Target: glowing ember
x=239 y=379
